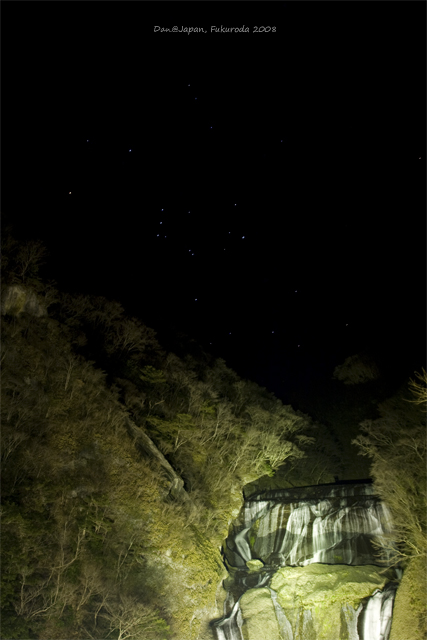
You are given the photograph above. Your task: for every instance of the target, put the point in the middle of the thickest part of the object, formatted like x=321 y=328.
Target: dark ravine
x=304 y=566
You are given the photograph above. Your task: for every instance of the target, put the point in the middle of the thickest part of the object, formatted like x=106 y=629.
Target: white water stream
x=337 y=527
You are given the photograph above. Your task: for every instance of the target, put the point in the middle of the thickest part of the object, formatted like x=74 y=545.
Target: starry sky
x=262 y=193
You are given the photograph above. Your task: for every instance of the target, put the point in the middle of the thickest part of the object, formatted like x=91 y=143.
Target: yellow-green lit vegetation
x=122 y=467
x=396 y=444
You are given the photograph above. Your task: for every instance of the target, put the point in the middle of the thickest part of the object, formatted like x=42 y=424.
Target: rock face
x=259 y=616
x=322 y=577
x=331 y=597
x=17 y=299
x=317 y=602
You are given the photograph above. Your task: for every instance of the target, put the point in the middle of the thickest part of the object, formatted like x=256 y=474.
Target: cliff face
x=17 y=299
x=304 y=565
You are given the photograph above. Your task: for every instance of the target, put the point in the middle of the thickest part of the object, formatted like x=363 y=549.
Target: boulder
x=315 y=602
x=17 y=299
x=254 y=565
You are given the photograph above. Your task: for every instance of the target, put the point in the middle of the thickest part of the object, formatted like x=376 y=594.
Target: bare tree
x=131 y=619
x=419 y=387
x=29 y=258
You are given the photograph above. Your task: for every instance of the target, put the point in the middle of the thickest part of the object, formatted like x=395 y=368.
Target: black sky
x=306 y=141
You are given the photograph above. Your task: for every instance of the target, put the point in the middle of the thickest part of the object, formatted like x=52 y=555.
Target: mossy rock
x=315 y=602
x=254 y=565
x=260 y=622
x=323 y=584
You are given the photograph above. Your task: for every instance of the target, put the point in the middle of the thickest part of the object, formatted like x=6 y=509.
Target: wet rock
x=260 y=622
x=254 y=565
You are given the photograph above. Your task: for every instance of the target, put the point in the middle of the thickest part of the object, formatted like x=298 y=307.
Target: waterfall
x=351 y=618
x=375 y=621
x=294 y=529
x=230 y=627
x=285 y=627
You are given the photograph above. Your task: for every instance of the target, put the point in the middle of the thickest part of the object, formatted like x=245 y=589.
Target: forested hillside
x=396 y=444
x=122 y=466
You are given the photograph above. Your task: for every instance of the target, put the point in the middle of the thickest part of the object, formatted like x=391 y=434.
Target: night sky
x=263 y=193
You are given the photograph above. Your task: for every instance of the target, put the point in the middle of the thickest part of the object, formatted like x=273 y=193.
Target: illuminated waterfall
x=322 y=525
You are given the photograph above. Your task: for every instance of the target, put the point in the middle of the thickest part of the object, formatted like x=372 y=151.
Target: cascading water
x=321 y=539
x=230 y=627
x=375 y=620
